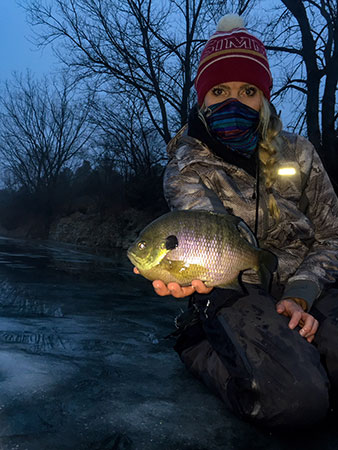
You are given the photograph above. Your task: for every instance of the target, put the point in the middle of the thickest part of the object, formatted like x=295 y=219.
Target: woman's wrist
x=300 y=301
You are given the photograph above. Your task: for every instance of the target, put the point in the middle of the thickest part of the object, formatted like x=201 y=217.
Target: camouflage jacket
x=306 y=237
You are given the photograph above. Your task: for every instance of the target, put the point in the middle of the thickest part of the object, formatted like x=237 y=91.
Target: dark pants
x=262 y=370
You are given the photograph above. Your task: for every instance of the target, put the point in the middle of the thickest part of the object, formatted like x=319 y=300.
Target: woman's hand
x=178 y=291
x=309 y=325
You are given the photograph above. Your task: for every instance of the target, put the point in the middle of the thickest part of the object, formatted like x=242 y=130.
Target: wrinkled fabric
x=305 y=240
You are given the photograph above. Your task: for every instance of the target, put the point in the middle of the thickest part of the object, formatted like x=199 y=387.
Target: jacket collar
x=194 y=144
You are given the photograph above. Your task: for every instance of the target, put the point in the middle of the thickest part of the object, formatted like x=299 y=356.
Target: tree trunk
x=329 y=133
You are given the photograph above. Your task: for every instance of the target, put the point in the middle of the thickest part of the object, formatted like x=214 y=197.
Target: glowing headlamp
x=286 y=171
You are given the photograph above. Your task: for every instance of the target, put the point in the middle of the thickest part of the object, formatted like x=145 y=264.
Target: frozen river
x=84 y=363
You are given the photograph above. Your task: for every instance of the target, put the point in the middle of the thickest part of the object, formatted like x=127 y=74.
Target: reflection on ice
x=35 y=375
x=15 y=300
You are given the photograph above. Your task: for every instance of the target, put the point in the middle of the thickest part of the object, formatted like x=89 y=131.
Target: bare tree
x=43 y=127
x=305 y=35
x=148 y=47
x=128 y=138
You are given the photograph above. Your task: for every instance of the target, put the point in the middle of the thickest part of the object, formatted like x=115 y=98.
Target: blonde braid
x=270 y=127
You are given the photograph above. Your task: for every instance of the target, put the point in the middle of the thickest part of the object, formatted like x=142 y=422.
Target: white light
x=287 y=171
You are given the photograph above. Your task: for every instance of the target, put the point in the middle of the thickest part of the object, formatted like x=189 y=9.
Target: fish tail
x=268 y=263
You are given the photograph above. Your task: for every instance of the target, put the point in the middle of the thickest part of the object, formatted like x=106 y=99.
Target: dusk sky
x=17 y=53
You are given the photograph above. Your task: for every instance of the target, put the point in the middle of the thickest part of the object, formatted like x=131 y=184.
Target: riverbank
x=90 y=229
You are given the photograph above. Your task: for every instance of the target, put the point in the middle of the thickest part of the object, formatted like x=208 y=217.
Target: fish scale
x=208 y=246
x=211 y=250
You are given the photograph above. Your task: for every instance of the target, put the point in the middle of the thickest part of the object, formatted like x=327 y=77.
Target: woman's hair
x=270 y=142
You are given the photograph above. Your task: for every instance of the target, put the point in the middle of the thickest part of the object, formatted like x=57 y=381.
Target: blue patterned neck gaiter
x=234 y=124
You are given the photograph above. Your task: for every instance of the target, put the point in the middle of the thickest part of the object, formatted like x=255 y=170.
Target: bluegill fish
x=182 y=246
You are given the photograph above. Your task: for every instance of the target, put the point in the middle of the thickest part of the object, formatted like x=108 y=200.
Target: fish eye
x=141 y=245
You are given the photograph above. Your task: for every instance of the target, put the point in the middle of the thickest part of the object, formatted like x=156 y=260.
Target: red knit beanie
x=233 y=54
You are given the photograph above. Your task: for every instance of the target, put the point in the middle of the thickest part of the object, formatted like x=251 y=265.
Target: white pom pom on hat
x=229 y=22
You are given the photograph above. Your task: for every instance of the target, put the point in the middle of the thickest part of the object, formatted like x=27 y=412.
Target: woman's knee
x=299 y=403
x=289 y=401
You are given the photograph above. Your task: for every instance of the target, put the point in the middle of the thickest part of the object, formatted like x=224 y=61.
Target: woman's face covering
x=243 y=92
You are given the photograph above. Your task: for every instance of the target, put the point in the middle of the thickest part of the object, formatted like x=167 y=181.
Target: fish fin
x=183 y=272
x=243 y=229
x=246 y=233
x=268 y=263
x=233 y=284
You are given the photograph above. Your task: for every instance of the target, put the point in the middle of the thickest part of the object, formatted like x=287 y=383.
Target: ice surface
x=84 y=363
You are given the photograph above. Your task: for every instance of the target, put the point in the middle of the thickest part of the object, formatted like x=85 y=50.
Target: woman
x=273 y=359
